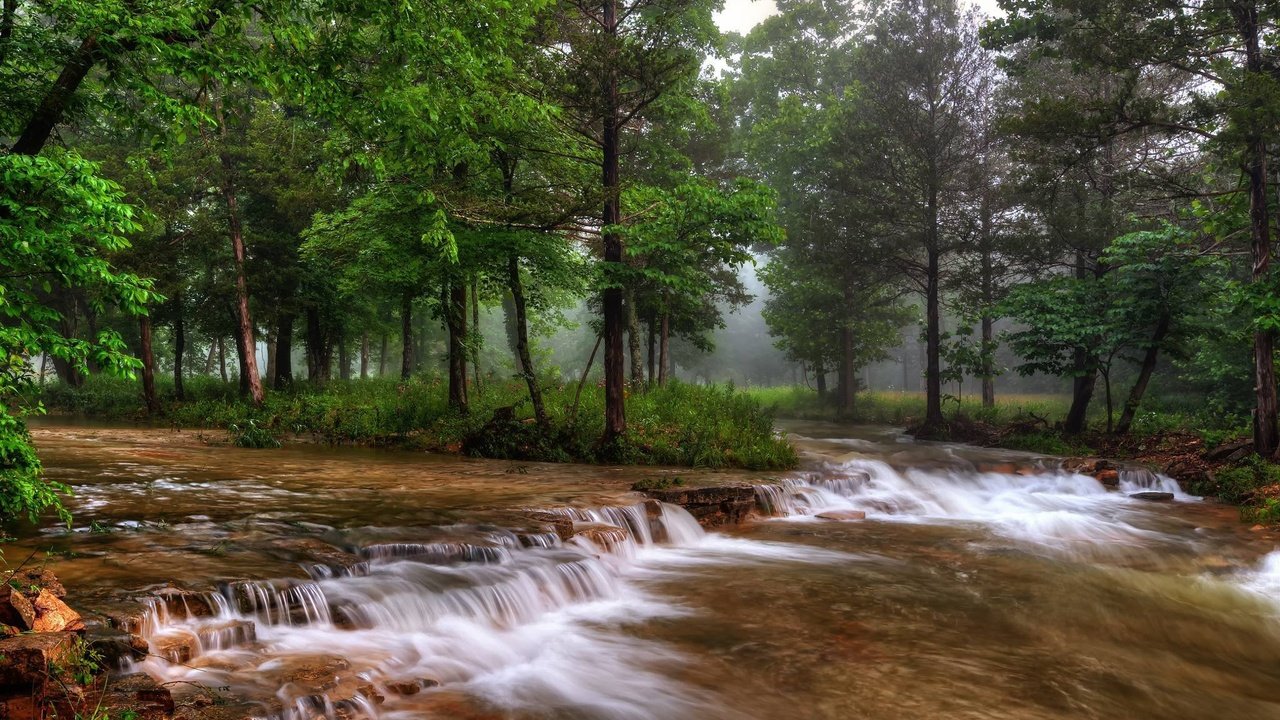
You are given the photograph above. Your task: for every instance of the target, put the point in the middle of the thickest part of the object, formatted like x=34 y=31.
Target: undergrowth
x=710 y=426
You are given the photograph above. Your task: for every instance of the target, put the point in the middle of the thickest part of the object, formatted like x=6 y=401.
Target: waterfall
x=436 y=615
x=1049 y=507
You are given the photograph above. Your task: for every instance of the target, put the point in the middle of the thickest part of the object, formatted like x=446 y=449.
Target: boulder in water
x=1108 y=477
x=842 y=515
x=1152 y=495
x=712 y=506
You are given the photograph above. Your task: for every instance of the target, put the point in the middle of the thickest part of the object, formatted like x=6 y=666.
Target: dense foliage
x=285 y=195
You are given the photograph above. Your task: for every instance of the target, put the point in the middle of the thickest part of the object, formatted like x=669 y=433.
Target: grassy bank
x=693 y=426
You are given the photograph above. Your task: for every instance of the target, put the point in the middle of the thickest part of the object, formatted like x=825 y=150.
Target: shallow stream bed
x=359 y=583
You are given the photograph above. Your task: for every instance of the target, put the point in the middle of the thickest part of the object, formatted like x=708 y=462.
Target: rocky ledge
x=713 y=506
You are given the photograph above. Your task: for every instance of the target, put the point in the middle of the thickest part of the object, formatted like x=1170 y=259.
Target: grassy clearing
x=686 y=425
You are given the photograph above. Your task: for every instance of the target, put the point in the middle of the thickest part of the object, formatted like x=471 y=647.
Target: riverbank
x=679 y=425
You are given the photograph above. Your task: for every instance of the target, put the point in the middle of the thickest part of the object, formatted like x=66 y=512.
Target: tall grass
x=687 y=425
x=904 y=409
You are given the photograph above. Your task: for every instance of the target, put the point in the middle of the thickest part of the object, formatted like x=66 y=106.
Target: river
x=357 y=583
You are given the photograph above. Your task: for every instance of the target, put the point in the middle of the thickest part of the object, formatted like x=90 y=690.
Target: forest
x=412 y=222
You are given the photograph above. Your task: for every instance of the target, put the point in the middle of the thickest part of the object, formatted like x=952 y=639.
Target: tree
x=613 y=60
x=925 y=79
x=58 y=218
x=1230 y=103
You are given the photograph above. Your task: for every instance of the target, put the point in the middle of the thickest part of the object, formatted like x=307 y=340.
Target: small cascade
x=1133 y=480
x=1049 y=507
x=438 y=614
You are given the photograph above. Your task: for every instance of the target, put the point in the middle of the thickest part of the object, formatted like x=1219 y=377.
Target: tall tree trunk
x=1082 y=387
x=1145 y=371
x=988 y=362
x=1106 y=388
x=283 y=376
x=244 y=326
x=179 y=350
x=820 y=379
x=848 y=385
x=222 y=359
x=474 y=344
x=456 y=320
x=1265 y=438
x=344 y=358
x=1085 y=373
x=148 y=366
x=208 y=361
x=615 y=411
x=68 y=325
x=271 y=355
x=509 y=322
x=364 y=355
x=633 y=342
x=524 y=359
x=382 y=355
x=933 y=419
x=319 y=349
x=653 y=321
x=406 y=334
x=242 y=369
x=664 y=348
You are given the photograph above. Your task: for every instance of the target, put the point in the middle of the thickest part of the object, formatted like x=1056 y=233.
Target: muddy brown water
x=963 y=594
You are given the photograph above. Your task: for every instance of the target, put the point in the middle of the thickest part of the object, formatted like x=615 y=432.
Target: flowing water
x=351 y=583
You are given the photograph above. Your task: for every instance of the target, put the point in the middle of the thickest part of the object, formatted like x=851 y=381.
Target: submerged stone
x=1152 y=495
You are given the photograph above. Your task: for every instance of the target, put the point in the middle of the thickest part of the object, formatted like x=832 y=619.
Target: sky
x=742 y=15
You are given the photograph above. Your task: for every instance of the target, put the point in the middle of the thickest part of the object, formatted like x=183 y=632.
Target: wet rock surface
x=713 y=506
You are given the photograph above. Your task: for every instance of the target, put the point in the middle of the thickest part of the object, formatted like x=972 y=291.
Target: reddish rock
x=1108 y=477
x=35 y=579
x=411 y=687
x=21 y=708
x=603 y=535
x=25 y=659
x=53 y=615
x=138 y=696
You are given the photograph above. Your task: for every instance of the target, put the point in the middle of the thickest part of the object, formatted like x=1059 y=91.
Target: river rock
x=25 y=659
x=842 y=515
x=1086 y=466
x=712 y=506
x=1109 y=477
x=176 y=646
x=411 y=687
x=138 y=694
x=184 y=603
x=605 y=536
x=1152 y=495
x=113 y=645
